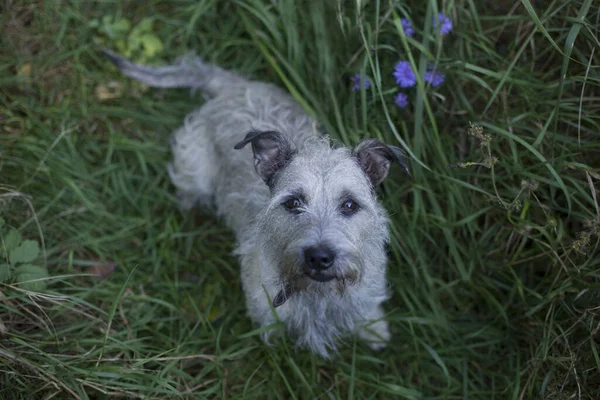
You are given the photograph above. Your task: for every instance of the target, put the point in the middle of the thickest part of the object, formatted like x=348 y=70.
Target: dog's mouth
x=294 y=286
x=319 y=276
x=300 y=280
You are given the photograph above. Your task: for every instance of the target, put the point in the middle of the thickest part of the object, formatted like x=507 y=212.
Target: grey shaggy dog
x=311 y=233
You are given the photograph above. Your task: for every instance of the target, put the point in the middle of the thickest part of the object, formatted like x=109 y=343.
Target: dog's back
x=205 y=168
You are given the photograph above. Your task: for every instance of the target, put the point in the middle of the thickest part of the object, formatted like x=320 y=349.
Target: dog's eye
x=349 y=207
x=292 y=205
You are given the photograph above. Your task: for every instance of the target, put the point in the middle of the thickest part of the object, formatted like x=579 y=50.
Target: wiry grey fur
x=280 y=156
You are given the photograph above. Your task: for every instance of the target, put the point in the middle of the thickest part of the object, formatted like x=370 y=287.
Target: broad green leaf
x=31 y=269
x=141 y=38
x=121 y=26
x=1 y=222
x=114 y=29
x=152 y=45
x=144 y=26
x=121 y=46
x=27 y=251
x=133 y=42
x=11 y=241
x=4 y=272
x=28 y=276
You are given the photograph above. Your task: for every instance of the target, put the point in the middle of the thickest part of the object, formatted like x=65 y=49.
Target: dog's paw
x=377 y=335
x=377 y=346
x=268 y=336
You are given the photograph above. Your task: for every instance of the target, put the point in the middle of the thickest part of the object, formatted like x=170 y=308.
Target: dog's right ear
x=375 y=159
x=272 y=152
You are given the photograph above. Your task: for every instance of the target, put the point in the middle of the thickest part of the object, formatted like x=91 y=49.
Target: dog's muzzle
x=317 y=262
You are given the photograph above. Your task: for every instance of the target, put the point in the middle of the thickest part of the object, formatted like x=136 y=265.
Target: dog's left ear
x=375 y=159
x=272 y=152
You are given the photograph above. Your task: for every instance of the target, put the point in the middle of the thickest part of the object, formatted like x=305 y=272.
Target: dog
x=310 y=232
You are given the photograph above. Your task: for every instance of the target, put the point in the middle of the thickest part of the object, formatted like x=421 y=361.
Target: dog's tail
x=189 y=71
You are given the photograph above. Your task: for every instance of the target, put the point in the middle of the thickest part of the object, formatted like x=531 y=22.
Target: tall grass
x=494 y=260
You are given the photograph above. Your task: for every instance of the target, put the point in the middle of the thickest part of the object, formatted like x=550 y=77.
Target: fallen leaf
x=24 y=73
x=109 y=91
x=594 y=174
x=102 y=271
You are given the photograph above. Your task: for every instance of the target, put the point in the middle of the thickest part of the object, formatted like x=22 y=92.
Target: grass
x=494 y=261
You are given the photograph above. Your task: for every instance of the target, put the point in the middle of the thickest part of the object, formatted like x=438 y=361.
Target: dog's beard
x=296 y=281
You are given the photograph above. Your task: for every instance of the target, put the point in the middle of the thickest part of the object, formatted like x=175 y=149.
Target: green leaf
x=121 y=26
x=121 y=46
x=4 y=272
x=11 y=240
x=152 y=45
x=540 y=26
x=114 y=29
x=141 y=38
x=133 y=43
x=28 y=276
x=1 y=222
x=27 y=251
x=144 y=26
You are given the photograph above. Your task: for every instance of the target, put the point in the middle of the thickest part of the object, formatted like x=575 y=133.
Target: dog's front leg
x=374 y=330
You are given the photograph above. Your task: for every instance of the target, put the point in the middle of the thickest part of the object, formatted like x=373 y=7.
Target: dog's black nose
x=319 y=257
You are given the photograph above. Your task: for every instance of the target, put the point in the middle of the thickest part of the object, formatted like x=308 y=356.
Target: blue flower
x=407 y=27
x=434 y=77
x=444 y=23
x=405 y=77
x=358 y=80
x=401 y=100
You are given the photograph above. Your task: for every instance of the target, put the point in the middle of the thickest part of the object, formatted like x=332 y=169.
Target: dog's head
x=323 y=223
